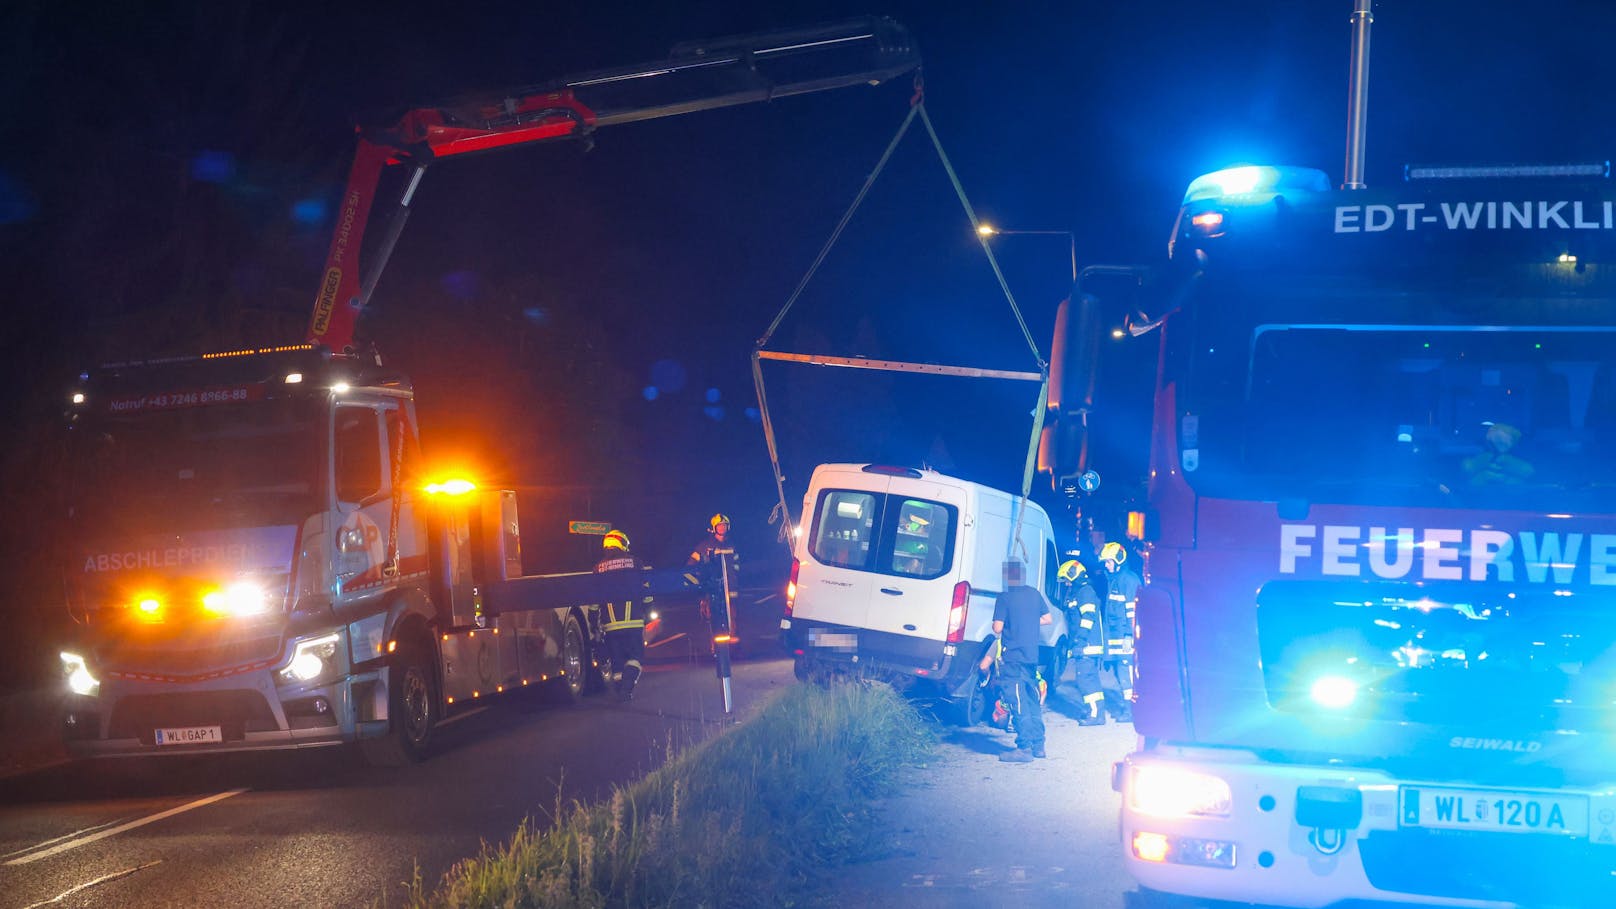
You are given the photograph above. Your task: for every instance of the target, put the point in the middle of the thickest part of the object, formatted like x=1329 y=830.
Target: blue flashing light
x=712 y=396
x=650 y=392
x=309 y=211
x=1254 y=180
x=754 y=415
x=714 y=412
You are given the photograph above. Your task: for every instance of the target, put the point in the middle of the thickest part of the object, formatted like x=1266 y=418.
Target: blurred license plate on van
x=1498 y=811
x=833 y=640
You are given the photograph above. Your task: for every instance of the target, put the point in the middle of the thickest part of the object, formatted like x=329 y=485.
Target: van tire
x=969 y=709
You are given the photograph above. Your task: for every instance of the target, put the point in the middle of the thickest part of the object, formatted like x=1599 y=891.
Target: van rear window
x=886 y=534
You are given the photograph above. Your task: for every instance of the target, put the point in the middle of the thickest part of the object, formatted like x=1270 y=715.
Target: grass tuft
x=748 y=818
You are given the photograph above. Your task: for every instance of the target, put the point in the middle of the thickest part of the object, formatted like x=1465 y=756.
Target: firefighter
x=625 y=616
x=1084 y=620
x=704 y=570
x=1122 y=586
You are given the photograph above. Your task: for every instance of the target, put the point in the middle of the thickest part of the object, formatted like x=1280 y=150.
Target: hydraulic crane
x=697 y=76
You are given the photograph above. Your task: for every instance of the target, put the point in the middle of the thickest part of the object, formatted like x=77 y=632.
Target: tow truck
x=264 y=560
x=1376 y=659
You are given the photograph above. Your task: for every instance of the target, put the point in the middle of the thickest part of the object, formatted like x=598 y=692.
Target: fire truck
x=262 y=558
x=1376 y=648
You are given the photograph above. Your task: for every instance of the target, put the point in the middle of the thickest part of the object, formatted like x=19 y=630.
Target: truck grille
x=235 y=712
x=178 y=661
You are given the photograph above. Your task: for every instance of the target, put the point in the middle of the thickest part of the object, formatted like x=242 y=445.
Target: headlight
x=79 y=679
x=1334 y=691
x=242 y=598
x=1173 y=792
x=311 y=658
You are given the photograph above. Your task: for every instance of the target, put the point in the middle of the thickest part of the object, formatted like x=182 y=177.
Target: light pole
x=988 y=230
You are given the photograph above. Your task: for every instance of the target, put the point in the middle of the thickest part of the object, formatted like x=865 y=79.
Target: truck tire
x=412 y=711
x=567 y=688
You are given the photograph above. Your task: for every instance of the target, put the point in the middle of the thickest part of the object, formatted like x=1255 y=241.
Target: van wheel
x=969 y=709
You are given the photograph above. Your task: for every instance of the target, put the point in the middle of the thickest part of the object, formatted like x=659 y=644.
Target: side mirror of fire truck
x=1073 y=371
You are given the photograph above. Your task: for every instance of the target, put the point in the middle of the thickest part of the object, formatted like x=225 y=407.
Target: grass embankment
x=746 y=818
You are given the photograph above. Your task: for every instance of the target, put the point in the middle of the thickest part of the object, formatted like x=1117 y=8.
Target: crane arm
x=694 y=77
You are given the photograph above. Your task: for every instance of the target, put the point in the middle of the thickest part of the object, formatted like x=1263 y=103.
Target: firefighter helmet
x=617 y=539
x=716 y=520
x=1113 y=552
x=1071 y=570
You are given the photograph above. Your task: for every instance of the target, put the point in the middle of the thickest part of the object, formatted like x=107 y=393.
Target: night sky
x=579 y=323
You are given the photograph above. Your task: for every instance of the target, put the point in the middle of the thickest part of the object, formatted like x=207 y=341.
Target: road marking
x=141 y=822
x=88 y=884
x=58 y=839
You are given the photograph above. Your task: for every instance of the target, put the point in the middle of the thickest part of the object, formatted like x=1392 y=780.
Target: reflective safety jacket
x=628 y=613
x=1087 y=635
x=1121 y=598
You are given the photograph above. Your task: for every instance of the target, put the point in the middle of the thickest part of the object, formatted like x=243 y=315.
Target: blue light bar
x=1253 y=180
x=1598 y=169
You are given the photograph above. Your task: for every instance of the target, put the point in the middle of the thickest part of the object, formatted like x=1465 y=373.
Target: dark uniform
x=1122 y=596
x=624 y=620
x=704 y=569
x=1087 y=627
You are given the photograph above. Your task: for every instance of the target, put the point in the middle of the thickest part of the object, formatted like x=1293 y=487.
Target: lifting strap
x=782 y=511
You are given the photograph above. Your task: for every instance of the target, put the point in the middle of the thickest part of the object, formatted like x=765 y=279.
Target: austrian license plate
x=189 y=735
x=835 y=640
x=1493 y=810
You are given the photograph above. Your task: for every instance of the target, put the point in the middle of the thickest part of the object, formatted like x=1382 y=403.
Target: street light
x=988 y=230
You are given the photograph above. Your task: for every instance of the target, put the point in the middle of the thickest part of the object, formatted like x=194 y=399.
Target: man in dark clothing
x=625 y=618
x=705 y=570
x=1016 y=616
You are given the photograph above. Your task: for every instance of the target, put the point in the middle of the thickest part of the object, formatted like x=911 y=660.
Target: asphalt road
x=322 y=829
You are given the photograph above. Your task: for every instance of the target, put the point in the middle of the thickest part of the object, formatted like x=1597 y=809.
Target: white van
x=896 y=571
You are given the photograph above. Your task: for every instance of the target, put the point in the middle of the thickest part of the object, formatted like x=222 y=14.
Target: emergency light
x=1255 y=184
x=1596 y=169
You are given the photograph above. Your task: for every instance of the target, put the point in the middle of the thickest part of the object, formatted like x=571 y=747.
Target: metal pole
x=723 y=635
x=1358 y=93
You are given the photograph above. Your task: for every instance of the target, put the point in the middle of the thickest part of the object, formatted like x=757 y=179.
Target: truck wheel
x=412 y=712
x=568 y=686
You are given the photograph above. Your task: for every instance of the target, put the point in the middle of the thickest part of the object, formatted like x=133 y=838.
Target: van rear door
x=917 y=560
x=835 y=577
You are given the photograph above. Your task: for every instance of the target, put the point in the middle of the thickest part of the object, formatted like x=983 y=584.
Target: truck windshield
x=1477 y=415
x=214 y=466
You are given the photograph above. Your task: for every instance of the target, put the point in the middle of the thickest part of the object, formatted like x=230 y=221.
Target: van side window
x=844 y=528
x=923 y=539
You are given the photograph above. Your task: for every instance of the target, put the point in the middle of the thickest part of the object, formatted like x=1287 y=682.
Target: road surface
x=320 y=828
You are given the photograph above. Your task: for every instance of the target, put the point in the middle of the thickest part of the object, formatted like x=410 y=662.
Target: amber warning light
x=457 y=486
